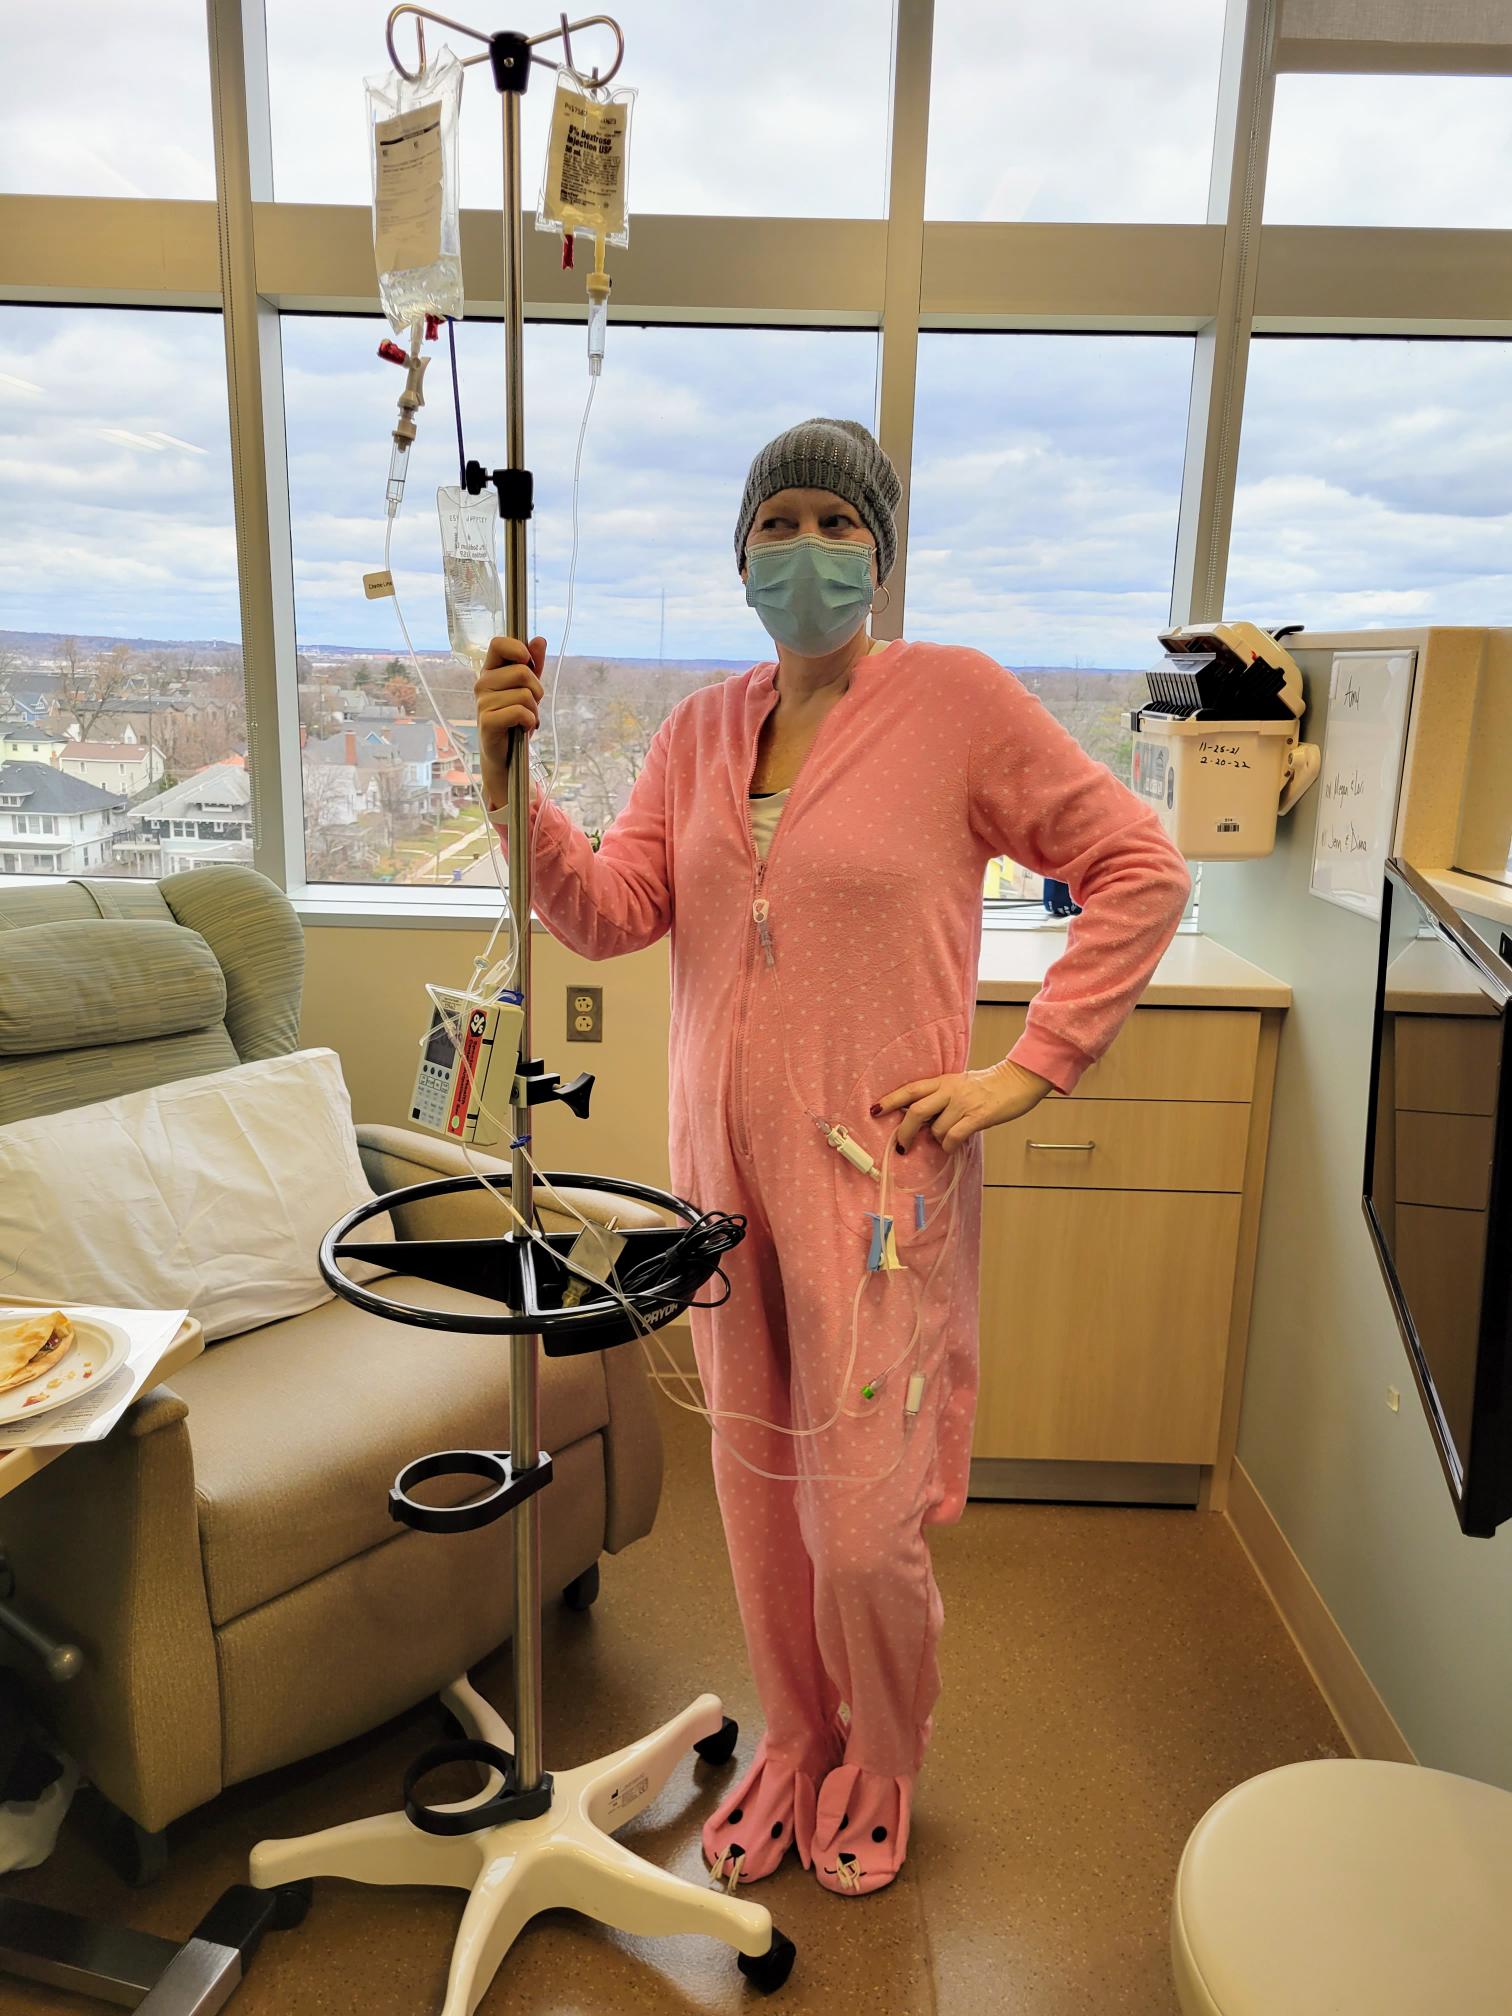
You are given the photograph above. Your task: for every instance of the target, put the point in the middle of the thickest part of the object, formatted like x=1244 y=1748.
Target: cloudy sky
x=1372 y=476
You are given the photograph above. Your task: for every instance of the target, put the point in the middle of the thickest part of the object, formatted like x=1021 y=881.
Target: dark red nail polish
x=901 y=1149
x=875 y=1111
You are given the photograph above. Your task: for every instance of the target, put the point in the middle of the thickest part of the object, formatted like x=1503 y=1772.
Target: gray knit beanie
x=838 y=455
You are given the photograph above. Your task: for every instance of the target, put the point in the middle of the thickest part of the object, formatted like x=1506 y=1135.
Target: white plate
x=98 y=1348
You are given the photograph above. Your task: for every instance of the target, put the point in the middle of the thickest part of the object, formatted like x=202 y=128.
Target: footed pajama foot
x=771 y=1810
x=861 y=1830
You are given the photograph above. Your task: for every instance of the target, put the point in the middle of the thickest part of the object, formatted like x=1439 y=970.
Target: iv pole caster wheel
x=291 y=1901
x=582 y=1591
x=767 y=1971
x=720 y=1748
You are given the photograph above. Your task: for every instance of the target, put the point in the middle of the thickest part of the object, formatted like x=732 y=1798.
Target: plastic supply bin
x=1217 y=785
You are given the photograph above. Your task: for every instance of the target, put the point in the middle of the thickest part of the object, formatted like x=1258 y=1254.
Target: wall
x=364 y=998
x=1356 y=1489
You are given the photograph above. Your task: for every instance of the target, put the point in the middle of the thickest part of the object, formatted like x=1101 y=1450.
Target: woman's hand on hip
x=963 y=1103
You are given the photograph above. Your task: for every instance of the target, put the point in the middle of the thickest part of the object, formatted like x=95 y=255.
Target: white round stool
x=1345 y=1887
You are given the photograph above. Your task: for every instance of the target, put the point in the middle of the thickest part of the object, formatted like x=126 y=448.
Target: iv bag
x=587 y=162
x=474 y=596
x=413 y=137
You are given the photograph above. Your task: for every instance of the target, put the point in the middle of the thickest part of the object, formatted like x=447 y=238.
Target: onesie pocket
x=919 y=1206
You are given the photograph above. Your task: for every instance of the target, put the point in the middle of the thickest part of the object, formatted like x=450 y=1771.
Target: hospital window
x=105 y=100
x=122 y=580
x=1372 y=483
x=724 y=91
x=1372 y=494
x=659 y=608
x=1042 y=525
x=1372 y=151
x=1092 y=111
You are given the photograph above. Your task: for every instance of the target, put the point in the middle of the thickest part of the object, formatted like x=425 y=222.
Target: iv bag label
x=585 y=164
x=380 y=583
x=407 y=197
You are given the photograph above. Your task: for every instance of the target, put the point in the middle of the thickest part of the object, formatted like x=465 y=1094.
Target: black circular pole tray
x=526 y=1276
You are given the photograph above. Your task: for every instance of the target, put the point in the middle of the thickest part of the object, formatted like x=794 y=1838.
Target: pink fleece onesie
x=804 y=989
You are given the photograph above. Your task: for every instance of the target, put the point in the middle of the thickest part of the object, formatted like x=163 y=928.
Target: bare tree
x=90 y=688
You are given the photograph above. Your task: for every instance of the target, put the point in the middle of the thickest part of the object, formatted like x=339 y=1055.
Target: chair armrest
x=395 y=1157
x=151 y=1411
x=106 y=1550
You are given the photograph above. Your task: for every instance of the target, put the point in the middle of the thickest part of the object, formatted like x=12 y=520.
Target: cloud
x=1372 y=483
x=1378 y=150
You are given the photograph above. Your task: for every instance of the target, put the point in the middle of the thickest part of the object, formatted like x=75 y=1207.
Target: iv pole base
x=565 y=1858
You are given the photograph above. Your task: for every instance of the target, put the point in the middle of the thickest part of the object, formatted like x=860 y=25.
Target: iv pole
x=511 y=58
x=532 y=1840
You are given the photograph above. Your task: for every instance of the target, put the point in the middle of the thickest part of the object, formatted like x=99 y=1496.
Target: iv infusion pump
x=471 y=1041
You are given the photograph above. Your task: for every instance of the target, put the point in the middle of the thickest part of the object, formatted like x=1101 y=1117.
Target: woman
x=813 y=835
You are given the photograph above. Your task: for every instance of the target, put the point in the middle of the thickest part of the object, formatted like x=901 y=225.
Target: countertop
x=1196 y=972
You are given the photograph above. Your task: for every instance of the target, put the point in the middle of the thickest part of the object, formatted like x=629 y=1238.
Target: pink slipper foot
x=771 y=1810
x=861 y=1830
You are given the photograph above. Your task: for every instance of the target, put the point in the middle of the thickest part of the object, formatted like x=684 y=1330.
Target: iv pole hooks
x=566 y=31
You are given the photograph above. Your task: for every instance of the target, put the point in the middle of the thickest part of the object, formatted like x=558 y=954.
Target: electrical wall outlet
x=585 y=1014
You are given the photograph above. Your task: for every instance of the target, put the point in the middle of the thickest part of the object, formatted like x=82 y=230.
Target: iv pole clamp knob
x=509 y=58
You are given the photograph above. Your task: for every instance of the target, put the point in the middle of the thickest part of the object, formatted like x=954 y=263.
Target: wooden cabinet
x=1118 y=1241
x=1110 y=1310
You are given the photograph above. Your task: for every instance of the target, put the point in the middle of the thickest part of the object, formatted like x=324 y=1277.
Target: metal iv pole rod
x=524 y=1352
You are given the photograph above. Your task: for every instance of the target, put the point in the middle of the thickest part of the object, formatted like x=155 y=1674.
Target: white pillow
x=212 y=1193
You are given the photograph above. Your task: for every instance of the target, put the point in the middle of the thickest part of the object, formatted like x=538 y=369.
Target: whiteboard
x=1368 y=695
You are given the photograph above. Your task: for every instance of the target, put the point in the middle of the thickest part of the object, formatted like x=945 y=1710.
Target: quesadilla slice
x=32 y=1346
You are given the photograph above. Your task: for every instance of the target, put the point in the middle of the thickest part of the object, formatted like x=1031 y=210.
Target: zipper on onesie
x=740 y=1119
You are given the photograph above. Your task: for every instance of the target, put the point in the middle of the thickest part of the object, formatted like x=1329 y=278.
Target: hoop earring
x=888 y=603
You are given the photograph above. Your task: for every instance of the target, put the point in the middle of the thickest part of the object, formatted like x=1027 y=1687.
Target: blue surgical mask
x=811 y=594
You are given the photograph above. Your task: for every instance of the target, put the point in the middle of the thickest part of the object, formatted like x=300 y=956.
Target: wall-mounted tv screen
x=1438 y=1181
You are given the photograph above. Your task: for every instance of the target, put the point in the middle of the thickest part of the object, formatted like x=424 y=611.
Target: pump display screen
x=439 y=1048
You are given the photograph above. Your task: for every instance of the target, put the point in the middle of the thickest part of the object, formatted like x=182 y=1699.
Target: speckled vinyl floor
x=1108 y=1673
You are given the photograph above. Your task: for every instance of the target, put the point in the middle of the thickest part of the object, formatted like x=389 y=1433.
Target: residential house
x=337 y=794
x=403 y=750
x=203 y=822
x=25 y=742
x=33 y=708
x=128 y=767
x=54 y=824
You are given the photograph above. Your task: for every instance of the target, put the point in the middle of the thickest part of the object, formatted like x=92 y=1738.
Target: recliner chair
x=225 y=1558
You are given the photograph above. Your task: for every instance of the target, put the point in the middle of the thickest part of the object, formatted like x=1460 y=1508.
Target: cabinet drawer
x=1446 y=1063
x=1121 y=1144
x=1105 y=1324
x=1160 y=1053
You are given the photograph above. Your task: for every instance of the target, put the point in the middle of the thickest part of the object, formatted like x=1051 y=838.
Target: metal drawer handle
x=1073 y=1147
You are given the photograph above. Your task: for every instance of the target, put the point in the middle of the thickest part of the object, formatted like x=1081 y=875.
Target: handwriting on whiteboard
x=1362 y=760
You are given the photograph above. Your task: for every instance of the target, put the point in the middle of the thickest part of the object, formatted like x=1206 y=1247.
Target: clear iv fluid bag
x=474 y=595
x=583 y=187
x=417 y=247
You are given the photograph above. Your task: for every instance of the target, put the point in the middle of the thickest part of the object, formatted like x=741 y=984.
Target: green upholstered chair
x=225 y=1558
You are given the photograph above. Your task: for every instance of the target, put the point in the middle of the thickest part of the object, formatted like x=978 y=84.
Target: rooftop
x=218 y=784
x=106 y=752
x=48 y=790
